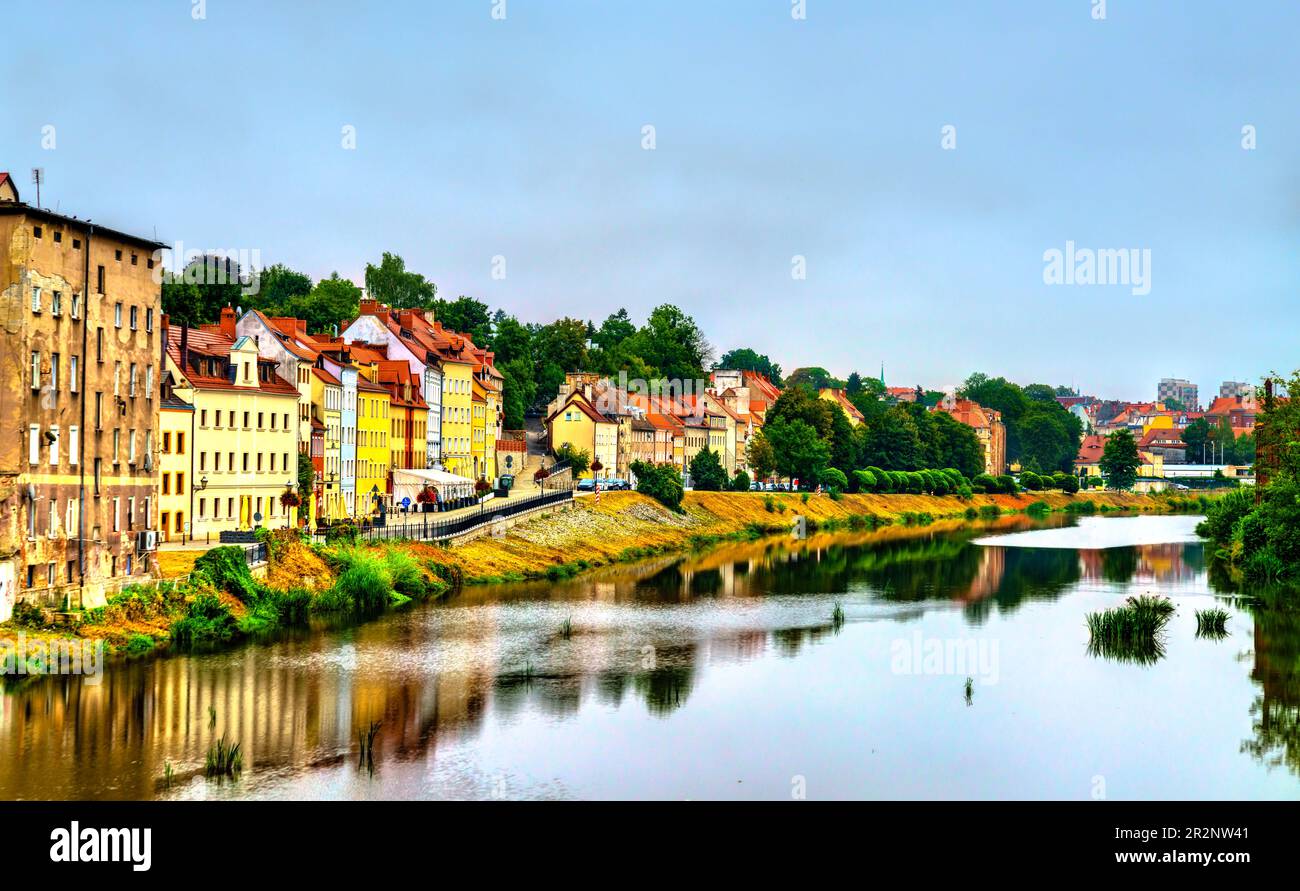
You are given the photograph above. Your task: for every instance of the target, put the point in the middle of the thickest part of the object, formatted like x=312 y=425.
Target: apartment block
x=79 y=406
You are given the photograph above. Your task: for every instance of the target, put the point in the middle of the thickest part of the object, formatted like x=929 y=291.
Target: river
x=831 y=668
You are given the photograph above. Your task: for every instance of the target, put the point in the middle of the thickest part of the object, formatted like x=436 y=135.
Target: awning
x=409 y=484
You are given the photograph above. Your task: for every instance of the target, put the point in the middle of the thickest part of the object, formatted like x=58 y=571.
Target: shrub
x=139 y=645
x=206 y=621
x=365 y=582
x=227 y=569
x=661 y=482
x=990 y=512
x=883 y=483
x=834 y=478
x=740 y=483
x=1031 y=481
x=1069 y=483
x=1007 y=485
x=866 y=480
x=984 y=483
x=769 y=503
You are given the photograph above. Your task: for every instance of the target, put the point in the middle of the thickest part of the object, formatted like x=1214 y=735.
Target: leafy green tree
x=511 y=339
x=390 y=282
x=745 y=359
x=577 y=459
x=1120 y=460
x=740 y=482
x=834 y=478
x=467 y=316
x=815 y=378
x=662 y=482
x=800 y=453
x=707 y=472
x=277 y=287
x=671 y=342
x=892 y=442
x=759 y=456
x=332 y=301
x=196 y=295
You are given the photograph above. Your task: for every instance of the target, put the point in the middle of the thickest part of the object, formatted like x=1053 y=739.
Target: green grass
x=566 y=628
x=1133 y=632
x=1212 y=623
x=224 y=759
x=837 y=617
x=1039 y=507
x=139 y=645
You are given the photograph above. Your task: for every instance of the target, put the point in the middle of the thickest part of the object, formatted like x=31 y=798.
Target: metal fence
x=428 y=528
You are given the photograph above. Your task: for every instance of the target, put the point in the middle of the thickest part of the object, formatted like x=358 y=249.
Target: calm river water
x=726 y=675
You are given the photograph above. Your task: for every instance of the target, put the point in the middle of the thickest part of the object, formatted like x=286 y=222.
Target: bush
x=1069 y=483
x=661 y=482
x=882 y=479
x=227 y=569
x=984 y=483
x=707 y=472
x=206 y=621
x=365 y=582
x=1031 y=481
x=866 y=480
x=834 y=478
x=1007 y=485
x=741 y=481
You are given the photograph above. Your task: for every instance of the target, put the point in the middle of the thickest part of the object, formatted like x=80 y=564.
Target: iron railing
x=427 y=528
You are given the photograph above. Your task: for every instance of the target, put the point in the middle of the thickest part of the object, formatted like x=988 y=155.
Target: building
x=1235 y=388
x=79 y=403
x=327 y=411
x=988 y=427
x=244 y=449
x=836 y=396
x=578 y=424
x=176 y=435
x=373 y=457
x=1175 y=388
x=408 y=420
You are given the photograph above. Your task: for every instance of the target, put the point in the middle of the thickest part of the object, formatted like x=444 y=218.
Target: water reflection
x=650 y=639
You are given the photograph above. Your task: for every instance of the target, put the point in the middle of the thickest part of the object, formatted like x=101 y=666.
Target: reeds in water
x=1133 y=632
x=566 y=628
x=837 y=617
x=1212 y=623
x=225 y=759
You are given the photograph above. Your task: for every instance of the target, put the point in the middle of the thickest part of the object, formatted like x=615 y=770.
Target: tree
x=661 y=482
x=1045 y=437
x=466 y=316
x=1120 y=460
x=391 y=283
x=740 y=482
x=331 y=301
x=707 y=472
x=814 y=377
x=760 y=457
x=800 y=453
x=892 y=442
x=614 y=330
x=745 y=359
x=835 y=479
x=672 y=343
x=196 y=295
x=1196 y=434
x=577 y=459
x=277 y=287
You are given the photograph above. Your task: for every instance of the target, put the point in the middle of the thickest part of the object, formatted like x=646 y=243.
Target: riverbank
x=223 y=604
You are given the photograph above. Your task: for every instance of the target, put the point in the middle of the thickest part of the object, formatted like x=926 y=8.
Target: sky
x=507 y=159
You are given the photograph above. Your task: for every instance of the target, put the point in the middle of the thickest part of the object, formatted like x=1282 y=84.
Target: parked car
x=586 y=485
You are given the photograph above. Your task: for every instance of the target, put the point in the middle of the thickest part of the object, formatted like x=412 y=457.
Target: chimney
x=228 y=321
x=369 y=307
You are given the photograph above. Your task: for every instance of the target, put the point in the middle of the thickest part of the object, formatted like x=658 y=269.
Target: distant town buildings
x=1235 y=388
x=988 y=426
x=1184 y=391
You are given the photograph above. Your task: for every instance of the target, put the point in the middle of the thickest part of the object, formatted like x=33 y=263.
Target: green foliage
x=578 y=459
x=1120 y=460
x=740 y=482
x=364 y=583
x=707 y=472
x=1031 y=481
x=207 y=621
x=745 y=359
x=226 y=568
x=662 y=482
x=834 y=479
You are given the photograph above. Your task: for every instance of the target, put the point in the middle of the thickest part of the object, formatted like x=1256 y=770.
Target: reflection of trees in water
x=789 y=641
x=665 y=689
x=1119 y=564
x=1275 y=713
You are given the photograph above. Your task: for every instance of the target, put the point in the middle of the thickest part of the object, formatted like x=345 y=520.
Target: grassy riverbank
x=216 y=600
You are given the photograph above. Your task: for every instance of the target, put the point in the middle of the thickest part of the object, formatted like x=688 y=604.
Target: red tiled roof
x=1091 y=449
x=326 y=376
x=214 y=344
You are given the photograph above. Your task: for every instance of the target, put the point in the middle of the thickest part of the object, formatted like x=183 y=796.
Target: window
x=53 y=438
x=203 y=508
x=167 y=442
x=36 y=298
x=117 y=516
x=36 y=370
x=117 y=378
x=76 y=306
x=135 y=317
x=216 y=461
x=99 y=281
x=130 y=455
x=99 y=410
x=34 y=444
x=74 y=369
x=203 y=417
x=180 y=483
x=148 y=319
x=56 y=303
x=99 y=345
x=166 y=484
x=58 y=237
x=259 y=420
x=117 y=445
x=117 y=255
x=180 y=443
x=37 y=231
x=74 y=444
x=180 y=521
x=117 y=315
x=203 y=460
x=54 y=372
x=99 y=476
x=148 y=382
x=130 y=512
x=134 y=260
x=131 y=382
x=246 y=417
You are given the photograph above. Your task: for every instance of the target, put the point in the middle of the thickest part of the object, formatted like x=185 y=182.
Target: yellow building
x=176 y=425
x=576 y=423
x=244 y=449
x=458 y=416
x=327 y=408
x=373 y=456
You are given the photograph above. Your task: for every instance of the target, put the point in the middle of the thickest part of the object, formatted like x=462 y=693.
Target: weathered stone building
x=81 y=360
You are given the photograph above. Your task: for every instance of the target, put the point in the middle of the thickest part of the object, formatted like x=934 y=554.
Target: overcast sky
x=775 y=138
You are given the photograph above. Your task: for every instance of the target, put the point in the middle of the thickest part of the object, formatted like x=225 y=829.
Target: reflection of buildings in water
x=1156 y=563
x=988 y=576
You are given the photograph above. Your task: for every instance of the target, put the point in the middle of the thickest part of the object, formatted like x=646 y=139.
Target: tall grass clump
x=1212 y=623
x=990 y=512
x=224 y=759
x=1133 y=632
x=364 y=584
